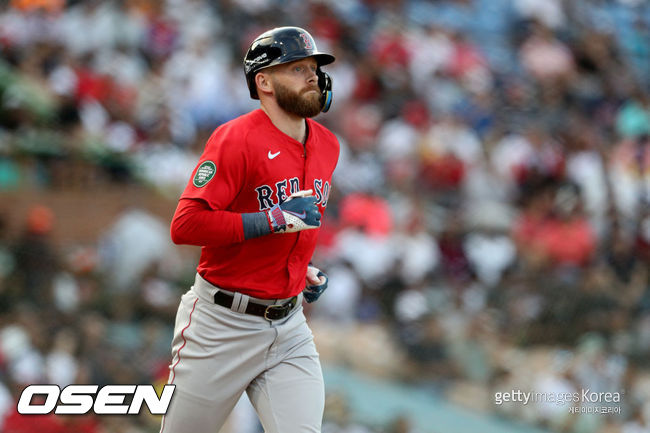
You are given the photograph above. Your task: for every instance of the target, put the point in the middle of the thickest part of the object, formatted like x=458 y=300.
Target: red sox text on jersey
x=268 y=196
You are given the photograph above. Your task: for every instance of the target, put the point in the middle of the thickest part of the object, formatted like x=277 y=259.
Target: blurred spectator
x=136 y=240
x=61 y=365
x=546 y=57
x=36 y=260
x=490 y=250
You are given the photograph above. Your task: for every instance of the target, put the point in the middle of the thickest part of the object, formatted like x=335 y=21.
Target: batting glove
x=313 y=292
x=295 y=214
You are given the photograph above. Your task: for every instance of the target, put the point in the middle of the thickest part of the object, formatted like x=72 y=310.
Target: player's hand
x=316 y=283
x=298 y=212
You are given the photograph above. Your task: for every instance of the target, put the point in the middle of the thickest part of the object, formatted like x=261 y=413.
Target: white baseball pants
x=217 y=354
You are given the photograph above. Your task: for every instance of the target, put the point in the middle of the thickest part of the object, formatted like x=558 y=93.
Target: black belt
x=269 y=312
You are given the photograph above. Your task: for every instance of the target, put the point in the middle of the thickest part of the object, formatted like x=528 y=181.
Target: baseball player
x=254 y=204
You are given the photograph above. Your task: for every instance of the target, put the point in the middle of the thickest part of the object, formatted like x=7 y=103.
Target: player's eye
x=309 y=69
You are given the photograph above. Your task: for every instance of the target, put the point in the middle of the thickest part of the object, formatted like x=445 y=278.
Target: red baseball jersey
x=249 y=165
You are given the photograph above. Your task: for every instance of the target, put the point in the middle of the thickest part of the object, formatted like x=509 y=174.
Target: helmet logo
x=257 y=60
x=307 y=40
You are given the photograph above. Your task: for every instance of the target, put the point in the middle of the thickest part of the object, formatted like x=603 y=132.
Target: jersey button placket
x=293 y=264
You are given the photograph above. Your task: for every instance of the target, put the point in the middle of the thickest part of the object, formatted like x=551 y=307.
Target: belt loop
x=236 y=301
x=243 y=303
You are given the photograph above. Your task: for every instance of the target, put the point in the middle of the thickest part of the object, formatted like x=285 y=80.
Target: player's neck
x=293 y=126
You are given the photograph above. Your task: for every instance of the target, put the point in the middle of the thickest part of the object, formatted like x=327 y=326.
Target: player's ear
x=263 y=82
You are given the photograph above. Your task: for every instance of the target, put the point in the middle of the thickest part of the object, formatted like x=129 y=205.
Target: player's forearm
x=194 y=223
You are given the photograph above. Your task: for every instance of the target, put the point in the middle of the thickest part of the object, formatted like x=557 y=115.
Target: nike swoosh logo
x=300 y=215
x=273 y=155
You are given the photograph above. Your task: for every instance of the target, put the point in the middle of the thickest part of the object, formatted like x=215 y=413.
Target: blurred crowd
x=488 y=227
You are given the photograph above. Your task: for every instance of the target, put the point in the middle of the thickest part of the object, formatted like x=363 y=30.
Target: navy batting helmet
x=284 y=45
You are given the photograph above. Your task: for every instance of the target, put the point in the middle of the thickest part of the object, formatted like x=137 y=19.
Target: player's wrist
x=276 y=219
x=255 y=225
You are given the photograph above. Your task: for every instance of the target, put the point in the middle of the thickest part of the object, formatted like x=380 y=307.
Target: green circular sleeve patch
x=204 y=173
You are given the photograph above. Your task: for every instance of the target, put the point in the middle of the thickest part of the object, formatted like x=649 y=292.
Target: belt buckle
x=272 y=308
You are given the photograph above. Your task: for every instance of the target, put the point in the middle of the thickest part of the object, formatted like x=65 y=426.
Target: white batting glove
x=298 y=212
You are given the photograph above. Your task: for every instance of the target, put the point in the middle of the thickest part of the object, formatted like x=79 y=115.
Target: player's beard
x=302 y=104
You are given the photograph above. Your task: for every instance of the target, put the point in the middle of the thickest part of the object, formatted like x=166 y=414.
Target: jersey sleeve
x=204 y=216
x=194 y=223
x=219 y=175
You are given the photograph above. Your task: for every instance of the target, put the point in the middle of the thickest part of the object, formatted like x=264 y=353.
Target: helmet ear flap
x=325 y=85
